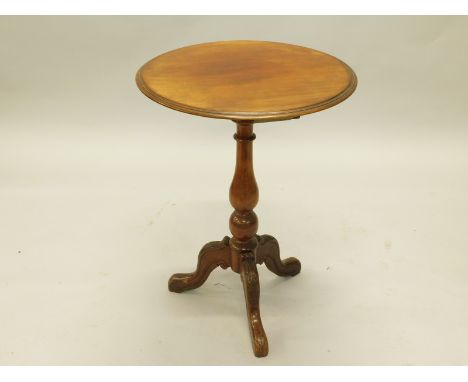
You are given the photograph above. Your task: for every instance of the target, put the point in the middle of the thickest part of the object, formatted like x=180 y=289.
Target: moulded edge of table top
x=252 y=116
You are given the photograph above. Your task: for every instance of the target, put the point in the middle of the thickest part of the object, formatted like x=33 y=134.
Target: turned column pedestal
x=245 y=249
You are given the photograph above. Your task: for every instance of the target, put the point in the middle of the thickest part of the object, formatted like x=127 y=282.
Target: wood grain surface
x=246 y=80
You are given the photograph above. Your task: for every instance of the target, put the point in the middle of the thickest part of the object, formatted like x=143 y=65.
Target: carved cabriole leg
x=249 y=276
x=268 y=252
x=212 y=255
x=243 y=195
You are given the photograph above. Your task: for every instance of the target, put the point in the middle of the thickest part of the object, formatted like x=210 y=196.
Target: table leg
x=268 y=252
x=212 y=255
x=249 y=277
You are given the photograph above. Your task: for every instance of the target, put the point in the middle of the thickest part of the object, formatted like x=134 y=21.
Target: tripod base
x=219 y=253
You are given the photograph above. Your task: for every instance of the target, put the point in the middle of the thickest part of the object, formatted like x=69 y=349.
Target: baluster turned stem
x=243 y=195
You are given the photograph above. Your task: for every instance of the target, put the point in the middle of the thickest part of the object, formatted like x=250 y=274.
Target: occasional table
x=247 y=82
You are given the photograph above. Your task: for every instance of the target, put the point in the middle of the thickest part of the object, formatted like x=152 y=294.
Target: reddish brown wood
x=249 y=277
x=243 y=224
x=268 y=252
x=243 y=195
x=245 y=248
x=212 y=255
x=247 y=82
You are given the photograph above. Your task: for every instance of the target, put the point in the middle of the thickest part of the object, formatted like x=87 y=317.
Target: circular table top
x=246 y=80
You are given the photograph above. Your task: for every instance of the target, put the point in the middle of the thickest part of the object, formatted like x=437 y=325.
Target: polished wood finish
x=249 y=277
x=245 y=249
x=243 y=195
x=246 y=80
x=268 y=252
x=212 y=255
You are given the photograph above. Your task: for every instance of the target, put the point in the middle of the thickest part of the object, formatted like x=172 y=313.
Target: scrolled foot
x=268 y=252
x=212 y=255
x=249 y=276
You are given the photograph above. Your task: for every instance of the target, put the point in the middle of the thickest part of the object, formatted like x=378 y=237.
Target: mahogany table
x=247 y=82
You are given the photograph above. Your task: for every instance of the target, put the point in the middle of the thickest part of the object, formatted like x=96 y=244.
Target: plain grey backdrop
x=104 y=194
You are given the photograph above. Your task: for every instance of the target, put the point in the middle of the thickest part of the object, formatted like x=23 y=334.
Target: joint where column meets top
x=244 y=131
